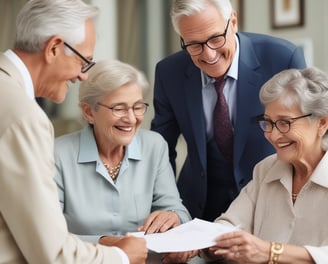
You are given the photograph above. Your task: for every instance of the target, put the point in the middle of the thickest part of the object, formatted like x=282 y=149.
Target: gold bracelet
x=276 y=250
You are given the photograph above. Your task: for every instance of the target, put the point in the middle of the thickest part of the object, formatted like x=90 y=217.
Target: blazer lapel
x=247 y=94
x=10 y=69
x=193 y=94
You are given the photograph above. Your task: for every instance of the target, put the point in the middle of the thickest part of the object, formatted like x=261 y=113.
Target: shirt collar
x=283 y=171
x=89 y=150
x=23 y=70
x=232 y=72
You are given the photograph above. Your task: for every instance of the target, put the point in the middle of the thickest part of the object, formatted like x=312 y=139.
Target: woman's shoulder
x=149 y=135
x=67 y=140
x=150 y=141
x=270 y=167
x=266 y=163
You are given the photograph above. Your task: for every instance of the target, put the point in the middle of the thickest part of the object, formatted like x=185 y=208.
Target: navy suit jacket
x=179 y=110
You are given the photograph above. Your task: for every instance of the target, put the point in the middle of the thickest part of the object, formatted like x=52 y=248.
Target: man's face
x=66 y=68
x=204 y=25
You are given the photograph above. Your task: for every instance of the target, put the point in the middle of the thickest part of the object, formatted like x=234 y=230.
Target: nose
x=83 y=76
x=130 y=116
x=274 y=134
x=208 y=53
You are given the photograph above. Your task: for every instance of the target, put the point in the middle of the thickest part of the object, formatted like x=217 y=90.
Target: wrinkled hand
x=160 y=221
x=179 y=257
x=109 y=240
x=134 y=247
x=241 y=247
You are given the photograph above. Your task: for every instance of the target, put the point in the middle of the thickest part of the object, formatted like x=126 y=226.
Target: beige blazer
x=32 y=226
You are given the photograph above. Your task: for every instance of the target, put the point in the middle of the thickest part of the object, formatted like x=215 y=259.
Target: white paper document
x=193 y=235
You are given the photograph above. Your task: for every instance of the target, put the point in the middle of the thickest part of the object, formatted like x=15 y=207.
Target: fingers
x=234 y=252
x=242 y=247
x=134 y=247
x=160 y=221
x=229 y=245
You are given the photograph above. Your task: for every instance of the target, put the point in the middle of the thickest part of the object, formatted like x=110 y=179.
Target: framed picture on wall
x=287 y=13
x=238 y=6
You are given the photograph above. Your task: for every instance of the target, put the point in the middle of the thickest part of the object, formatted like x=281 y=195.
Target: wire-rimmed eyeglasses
x=214 y=42
x=87 y=63
x=283 y=125
x=120 y=110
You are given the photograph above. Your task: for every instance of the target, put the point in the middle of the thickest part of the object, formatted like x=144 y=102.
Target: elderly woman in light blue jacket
x=112 y=176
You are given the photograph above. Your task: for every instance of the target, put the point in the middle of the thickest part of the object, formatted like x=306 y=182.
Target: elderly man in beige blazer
x=51 y=37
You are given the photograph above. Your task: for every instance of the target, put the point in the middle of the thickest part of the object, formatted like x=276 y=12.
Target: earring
x=90 y=121
x=322 y=133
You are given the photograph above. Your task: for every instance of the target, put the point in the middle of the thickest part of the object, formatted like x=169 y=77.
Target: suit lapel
x=7 y=67
x=193 y=95
x=247 y=94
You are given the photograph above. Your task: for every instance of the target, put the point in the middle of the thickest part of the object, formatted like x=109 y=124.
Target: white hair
x=189 y=7
x=39 y=20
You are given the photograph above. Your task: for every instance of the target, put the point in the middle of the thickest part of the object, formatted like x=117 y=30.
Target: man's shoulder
x=257 y=38
x=179 y=57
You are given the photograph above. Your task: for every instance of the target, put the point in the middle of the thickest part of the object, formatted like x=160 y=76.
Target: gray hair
x=189 y=7
x=306 y=88
x=39 y=20
x=107 y=76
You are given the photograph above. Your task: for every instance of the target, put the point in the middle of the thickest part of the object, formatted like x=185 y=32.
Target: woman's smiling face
x=118 y=130
x=301 y=141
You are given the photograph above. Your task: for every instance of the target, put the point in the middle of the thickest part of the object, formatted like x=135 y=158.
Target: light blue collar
x=89 y=151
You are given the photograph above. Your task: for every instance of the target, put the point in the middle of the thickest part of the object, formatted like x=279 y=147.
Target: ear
x=323 y=126
x=87 y=112
x=234 y=21
x=53 y=48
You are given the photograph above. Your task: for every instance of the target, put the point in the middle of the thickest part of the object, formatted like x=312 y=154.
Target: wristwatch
x=275 y=251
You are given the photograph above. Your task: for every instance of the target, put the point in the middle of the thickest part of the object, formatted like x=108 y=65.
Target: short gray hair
x=306 y=88
x=189 y=7
x=39 y=20
x=109 y=75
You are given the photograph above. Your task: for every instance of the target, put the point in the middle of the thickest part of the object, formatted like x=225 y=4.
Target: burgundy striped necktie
x=223 y=134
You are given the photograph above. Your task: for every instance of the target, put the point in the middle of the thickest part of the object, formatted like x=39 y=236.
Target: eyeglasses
x=87 y=63
x=120 y=110
x=214 y=42
x=283 y=125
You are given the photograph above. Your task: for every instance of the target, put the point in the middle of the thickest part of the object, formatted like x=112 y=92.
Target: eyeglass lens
x=138 y=109
x=214 y=43
x=283 y=125
x=87 y=63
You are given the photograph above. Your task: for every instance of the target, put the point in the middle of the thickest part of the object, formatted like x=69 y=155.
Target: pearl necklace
x=113 y=171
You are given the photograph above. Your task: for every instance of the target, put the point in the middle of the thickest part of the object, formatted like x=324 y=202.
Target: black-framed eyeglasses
x=283 y=125
x=120 y=110
x=214 y=42
x=87 y=63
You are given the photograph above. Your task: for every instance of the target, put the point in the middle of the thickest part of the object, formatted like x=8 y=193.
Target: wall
x=257 y=19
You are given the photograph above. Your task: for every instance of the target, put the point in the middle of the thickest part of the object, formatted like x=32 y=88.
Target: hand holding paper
x=196 y=234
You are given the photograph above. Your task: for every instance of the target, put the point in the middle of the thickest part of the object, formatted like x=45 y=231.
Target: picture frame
x=287 y=13
x=238 y=6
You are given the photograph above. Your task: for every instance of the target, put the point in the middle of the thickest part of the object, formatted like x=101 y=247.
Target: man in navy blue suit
x=184 y=100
